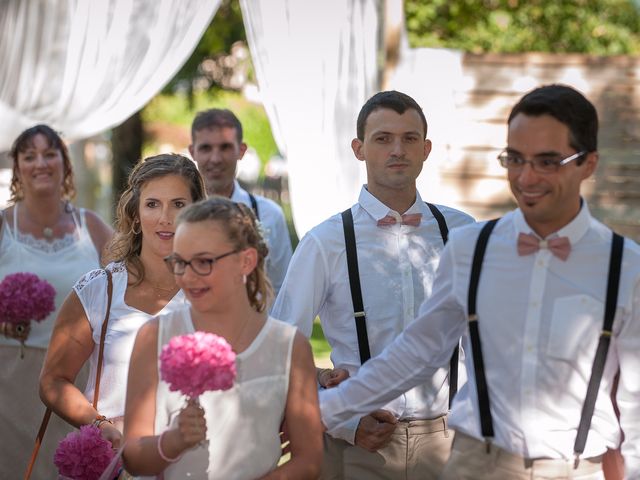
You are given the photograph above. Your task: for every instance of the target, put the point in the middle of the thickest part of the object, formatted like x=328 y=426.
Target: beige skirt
x=21 y=412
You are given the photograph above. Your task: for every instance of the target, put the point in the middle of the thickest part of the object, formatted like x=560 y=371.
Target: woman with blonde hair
x=218 y=261
x=43 y=233
x=158 y=188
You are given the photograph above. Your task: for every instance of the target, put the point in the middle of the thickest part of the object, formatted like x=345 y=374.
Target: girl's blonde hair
x=243 y=231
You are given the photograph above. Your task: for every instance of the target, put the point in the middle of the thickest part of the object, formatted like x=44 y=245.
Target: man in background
x=217 y=146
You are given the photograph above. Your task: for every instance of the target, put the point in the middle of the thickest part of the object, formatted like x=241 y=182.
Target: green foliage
x=319 y=345
x=179 y=109
x=601 y=27
x=225 y=29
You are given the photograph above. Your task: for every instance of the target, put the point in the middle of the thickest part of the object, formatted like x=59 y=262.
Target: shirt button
x=540 y=263
x=529 y=348
x=535 y=304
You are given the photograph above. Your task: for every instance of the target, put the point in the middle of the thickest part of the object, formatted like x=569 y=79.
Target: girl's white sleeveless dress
x=243 y=423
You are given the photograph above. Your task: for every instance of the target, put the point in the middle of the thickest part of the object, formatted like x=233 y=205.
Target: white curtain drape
x=316 y=64
x=83 y=66
x=435 y=78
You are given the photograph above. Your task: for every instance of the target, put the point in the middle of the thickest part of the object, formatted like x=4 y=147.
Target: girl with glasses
x=218 y=260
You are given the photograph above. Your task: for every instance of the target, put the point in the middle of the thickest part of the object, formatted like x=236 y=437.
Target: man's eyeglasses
x=543 y=164
x=200 y=265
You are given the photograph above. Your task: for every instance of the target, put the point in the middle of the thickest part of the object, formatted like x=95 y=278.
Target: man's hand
x=328 y=377
x=375 y=430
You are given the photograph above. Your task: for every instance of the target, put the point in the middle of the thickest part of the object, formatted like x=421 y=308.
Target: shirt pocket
x=576 y=322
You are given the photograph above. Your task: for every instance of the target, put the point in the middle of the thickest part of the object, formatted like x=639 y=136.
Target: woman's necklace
x=47 y=232
x=162 y=292
x=236 y=341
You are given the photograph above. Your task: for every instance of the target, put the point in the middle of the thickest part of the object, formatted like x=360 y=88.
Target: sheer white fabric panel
x=83 y=66
x=435 y=79
x=316 y=65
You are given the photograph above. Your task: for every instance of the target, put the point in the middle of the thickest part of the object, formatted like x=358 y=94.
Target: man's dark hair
x=569 y=107
x=216 y=118
x=393 y=100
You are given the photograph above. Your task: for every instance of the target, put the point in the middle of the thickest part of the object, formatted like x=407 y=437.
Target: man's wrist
x=319 y=375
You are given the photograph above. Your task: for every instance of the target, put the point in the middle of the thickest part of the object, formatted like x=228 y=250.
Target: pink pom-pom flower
x=25 y=297
x=196 y=363
x=83 y=455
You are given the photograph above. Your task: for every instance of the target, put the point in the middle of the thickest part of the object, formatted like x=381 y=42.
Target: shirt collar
x=574 y=230
x=239 y=194
x=377 y=210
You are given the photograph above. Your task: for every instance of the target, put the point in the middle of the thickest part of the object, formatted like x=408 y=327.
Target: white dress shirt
x=275 y=231
x=539 y=321
x=397 y=265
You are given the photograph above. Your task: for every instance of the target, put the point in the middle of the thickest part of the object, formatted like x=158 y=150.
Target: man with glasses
x=538 y=293
x=365 y=272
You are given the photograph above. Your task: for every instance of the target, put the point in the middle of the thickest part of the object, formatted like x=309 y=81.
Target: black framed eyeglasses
x=542 y=164
x=199 y=265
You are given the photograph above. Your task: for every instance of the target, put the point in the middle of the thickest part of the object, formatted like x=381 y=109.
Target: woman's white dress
x=60 y=262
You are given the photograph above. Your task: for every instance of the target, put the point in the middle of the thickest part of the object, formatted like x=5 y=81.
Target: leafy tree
x=602 y=27
x=225 y=29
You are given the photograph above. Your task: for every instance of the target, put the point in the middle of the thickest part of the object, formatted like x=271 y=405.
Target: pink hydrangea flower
x=25 y=297
x=83 y=455
x=197 y=363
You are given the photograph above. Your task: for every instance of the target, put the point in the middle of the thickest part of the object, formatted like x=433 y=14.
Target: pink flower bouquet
x=25 y=297
x=196 y=363
x=83 y=455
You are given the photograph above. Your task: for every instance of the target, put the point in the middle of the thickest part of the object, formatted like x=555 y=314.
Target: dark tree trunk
x=126 y=146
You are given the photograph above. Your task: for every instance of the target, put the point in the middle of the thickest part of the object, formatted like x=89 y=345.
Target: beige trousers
x=418 y=450
x=469 y=460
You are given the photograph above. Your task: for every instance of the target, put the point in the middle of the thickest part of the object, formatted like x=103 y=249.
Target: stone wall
x=491 y=85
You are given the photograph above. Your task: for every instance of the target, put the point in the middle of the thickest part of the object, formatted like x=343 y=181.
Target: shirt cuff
x=346 y=431
x=330 y=406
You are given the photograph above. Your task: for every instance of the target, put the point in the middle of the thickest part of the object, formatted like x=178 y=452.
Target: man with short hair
x=541 y=292
x=216 y=146
x=365 y=272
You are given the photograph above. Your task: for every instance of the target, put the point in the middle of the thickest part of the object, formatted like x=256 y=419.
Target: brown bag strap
x=38 y=442
x=103 y=335
x=47 y=413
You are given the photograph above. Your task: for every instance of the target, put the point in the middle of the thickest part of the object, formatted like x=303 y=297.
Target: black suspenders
x=613 y=281
x=486 y=421
x=354 y=284
x=356 y=291
x=254 y=205
x=453 y=363
x=442 y=223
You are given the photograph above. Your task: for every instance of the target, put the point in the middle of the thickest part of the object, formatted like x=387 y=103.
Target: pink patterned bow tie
x=528 y=244
x=412 y=219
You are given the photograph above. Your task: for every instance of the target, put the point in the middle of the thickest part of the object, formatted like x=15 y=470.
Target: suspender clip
x=487 y=442
x=576 y=460
x=473 y=317
x=606 y=333
x=358 y=314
